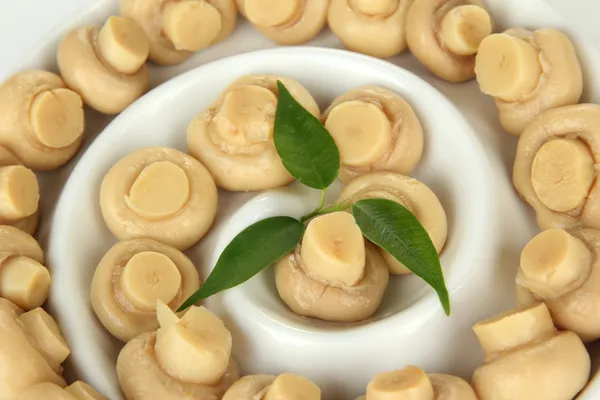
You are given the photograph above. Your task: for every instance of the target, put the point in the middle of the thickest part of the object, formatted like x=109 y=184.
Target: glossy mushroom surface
x=50 y=391
x=285 y=386
x=375 y=129
x=234 y=136
x=159 y=193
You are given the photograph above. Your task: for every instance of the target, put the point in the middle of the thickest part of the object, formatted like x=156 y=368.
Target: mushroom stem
x=83 y=391
x=191 y=25
x=19 y=192
x=290 y=386
x=464 y=27
x=272 y=13
x=123 y=44
x=24 y=281
x=44 y=330
x=410 y=383
x=375 y=7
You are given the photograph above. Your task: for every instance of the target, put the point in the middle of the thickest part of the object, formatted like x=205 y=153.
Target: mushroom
x=527 y=73
x=375 y=130
x=42 y=121
x=188 y=356
x=376 y=28
x=333 y=275
x=177 y=28
x=50 y=391
x=82 y=391
x=267 y=387
x=234 y=136
x=23 y=278
x=527 y=358
x=32 y=350
x=555 y=167
x=286 y=22
x=159 y=193
x=445 y=35
x=410 y=193
x=106 y=64
x=131 y=277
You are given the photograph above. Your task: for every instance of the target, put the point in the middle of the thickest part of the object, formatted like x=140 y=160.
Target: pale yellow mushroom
x=267 y=387
x=334 y=274
x=373 y=27
x=51 y=391
x=82 y=391
x=375 y=130
x=131 y=277
x=42 y=121
x=287 y=22
x=234 y=136
x=445 y=35
x=527 y=73
x=177 y=28
x=159 y=193
x=190 y=355
x=527 y=358
x=408 y=192
x=106 y=64
x=555 y=167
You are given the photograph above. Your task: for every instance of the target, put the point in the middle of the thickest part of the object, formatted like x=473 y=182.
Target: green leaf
x=307 y=150
x=395 y=229
x=252 y=250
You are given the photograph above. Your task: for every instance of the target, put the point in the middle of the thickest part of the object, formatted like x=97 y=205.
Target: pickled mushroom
x=50 y=391
x=285 y=386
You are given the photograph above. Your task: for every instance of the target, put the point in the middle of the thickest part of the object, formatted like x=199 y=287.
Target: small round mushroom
x=268 y=387
x=42 y=121
x=131 y=277
x=555 y=167
x=190 y=355
x=24 y=280
x=333 y=275
x=527 y=73
x=410 y=193
x=177 y=28
x=375 y=130
x=445 y=35
x=159 y=193
x=106 y=65
x=234 y=136
x=51 y=391
x=376 y=28
x=527 y=358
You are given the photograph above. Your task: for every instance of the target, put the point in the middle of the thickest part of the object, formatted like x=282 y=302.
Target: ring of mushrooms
x=527 y=73
x=408 y=192
x=375 y=130
x=445 y=35
x=555 y=167
x=287 y=22
x=268 y=387
x=42 y=120
x=50 y=391
x=524 y=356
x=131 y=277
x=412 y=383
x=333 y=275
x=106 y=64
x=234 y=136
x=24 y=280
x=159 y=193
x=190 y=355
x=32 y=350
x=376 y=28
x=178 y=28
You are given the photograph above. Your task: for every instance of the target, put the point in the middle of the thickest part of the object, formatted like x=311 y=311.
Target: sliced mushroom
x=375 y=130
x=51 y=391
x=376 y=28
x=527 y=73
x=555 y=167
x=42 y=121
x=159 y=193
x=190 y=355
x=177 y=28
x=131 y=277
x=410 y=193
x=445 y=35
x=234 y=136
x=106 y=65
x=333 y=274
x=527 y=358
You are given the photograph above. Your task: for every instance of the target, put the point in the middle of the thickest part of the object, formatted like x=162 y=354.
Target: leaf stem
x=324 y=210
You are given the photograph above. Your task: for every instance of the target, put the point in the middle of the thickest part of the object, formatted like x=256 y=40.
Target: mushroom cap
x=15 y=242
x=309 y=297
x=243 y=168
x=407 y=131
x=449 y=387
x=181 y=230
x=248 y=387
x=141 y=376
x=121 y=318
x=17 y=95
x=581 y=122
x=46 y=391
x=380 y=36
